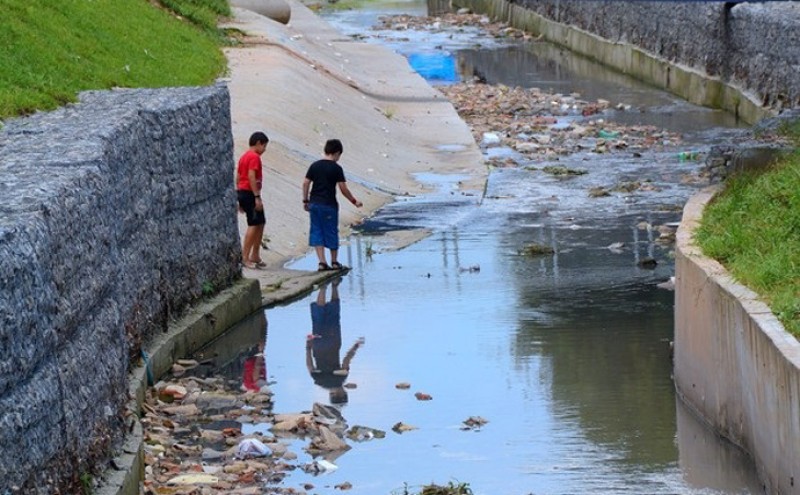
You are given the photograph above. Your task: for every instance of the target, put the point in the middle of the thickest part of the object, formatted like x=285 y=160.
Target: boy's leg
x=255 y=248
x=247 y=245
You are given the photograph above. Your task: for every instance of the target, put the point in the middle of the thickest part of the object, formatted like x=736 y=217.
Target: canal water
x=565 y=356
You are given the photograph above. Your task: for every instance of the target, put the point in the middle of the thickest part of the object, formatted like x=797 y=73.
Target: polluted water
x=522 y=346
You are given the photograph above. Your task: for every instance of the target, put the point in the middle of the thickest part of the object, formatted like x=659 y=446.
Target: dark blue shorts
x=247 y=201
x=324 y=229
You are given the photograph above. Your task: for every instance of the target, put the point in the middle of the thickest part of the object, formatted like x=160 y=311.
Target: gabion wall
x=753 y=45
x=115 y=214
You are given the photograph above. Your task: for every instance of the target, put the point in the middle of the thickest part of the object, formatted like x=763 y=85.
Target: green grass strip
x=753 y=229
x=52 y=50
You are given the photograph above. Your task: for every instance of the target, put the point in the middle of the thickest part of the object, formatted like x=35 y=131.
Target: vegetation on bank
x=52 y=50
x=753 y=229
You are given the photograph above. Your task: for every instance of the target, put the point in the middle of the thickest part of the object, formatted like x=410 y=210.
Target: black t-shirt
x=324 y=176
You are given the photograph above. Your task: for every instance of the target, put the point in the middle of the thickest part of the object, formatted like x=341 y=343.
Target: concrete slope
x=304 y=83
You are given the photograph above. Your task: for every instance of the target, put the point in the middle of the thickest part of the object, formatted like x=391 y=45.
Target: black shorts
x=247 y=201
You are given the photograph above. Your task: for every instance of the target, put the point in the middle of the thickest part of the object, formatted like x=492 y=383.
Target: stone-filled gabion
x=755 y=46
x=115 y=214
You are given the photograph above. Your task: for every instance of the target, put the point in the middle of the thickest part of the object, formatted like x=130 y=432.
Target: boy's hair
x=258 y=138
x=333 y=146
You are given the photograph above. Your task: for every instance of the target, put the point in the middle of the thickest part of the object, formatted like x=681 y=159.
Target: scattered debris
x=534 y=249
x=364 y=433
x=401 y=427
x=648 y=263
x=474 y=423
x=561 y=170
x=667 y=285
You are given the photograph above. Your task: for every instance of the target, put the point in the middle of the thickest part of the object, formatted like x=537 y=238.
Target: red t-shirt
x=249 y=380
x=249 y=161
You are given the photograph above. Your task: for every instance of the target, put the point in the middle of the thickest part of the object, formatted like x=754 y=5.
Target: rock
x=598 y=192
x=327 y=441
x=364 y=433
x=320 y=466
x=403 y=385
x=213 y=401
x=422 y=396
x=527 y=147
x=194 y=479
x=184 y=410
x=235 y=467
x=401 y=427
x=178 y=370
x=648 y=263
x=474 y=423
x=292 y=422
x=328 y=415
x=211 y=435
x=212 y=455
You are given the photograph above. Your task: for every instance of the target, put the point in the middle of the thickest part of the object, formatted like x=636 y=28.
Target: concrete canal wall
x=117 y=215
x=743 y=58
x=735 y=365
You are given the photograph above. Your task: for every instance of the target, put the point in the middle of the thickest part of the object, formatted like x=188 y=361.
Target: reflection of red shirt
x=249 y=161
x=248 y=380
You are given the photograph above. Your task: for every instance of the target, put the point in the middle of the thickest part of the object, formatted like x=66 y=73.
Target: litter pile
x=541 y=126
x=205 y=436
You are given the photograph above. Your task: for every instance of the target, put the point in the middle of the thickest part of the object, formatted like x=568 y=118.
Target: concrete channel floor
x=303 y=83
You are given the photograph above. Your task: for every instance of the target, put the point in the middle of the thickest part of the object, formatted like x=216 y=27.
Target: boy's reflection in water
x=254 y=375
x=325 y=343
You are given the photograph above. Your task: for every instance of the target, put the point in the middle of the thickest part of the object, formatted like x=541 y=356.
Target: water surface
x=565 y=355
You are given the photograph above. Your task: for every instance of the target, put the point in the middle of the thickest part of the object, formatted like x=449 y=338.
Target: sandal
x=336 y=266
x=259 y=263
x=323 y=267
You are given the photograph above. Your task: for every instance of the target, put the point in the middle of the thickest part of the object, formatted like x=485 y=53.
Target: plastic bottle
x=687 y=155
x=604 y=134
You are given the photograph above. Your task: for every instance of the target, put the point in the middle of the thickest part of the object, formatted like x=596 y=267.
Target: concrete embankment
x=742 y=58
x=735 y=365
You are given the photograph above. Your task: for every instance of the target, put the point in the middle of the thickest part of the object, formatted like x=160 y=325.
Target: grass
x=52 y=50
x=753 y=229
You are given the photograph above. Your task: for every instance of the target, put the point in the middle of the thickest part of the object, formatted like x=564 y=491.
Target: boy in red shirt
x=249 y=174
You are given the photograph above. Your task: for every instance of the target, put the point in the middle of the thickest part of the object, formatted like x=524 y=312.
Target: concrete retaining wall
x=735 y=365
x=744 y=59
x=117 y=213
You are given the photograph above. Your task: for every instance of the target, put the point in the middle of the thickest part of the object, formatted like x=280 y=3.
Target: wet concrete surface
x=565 y=355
